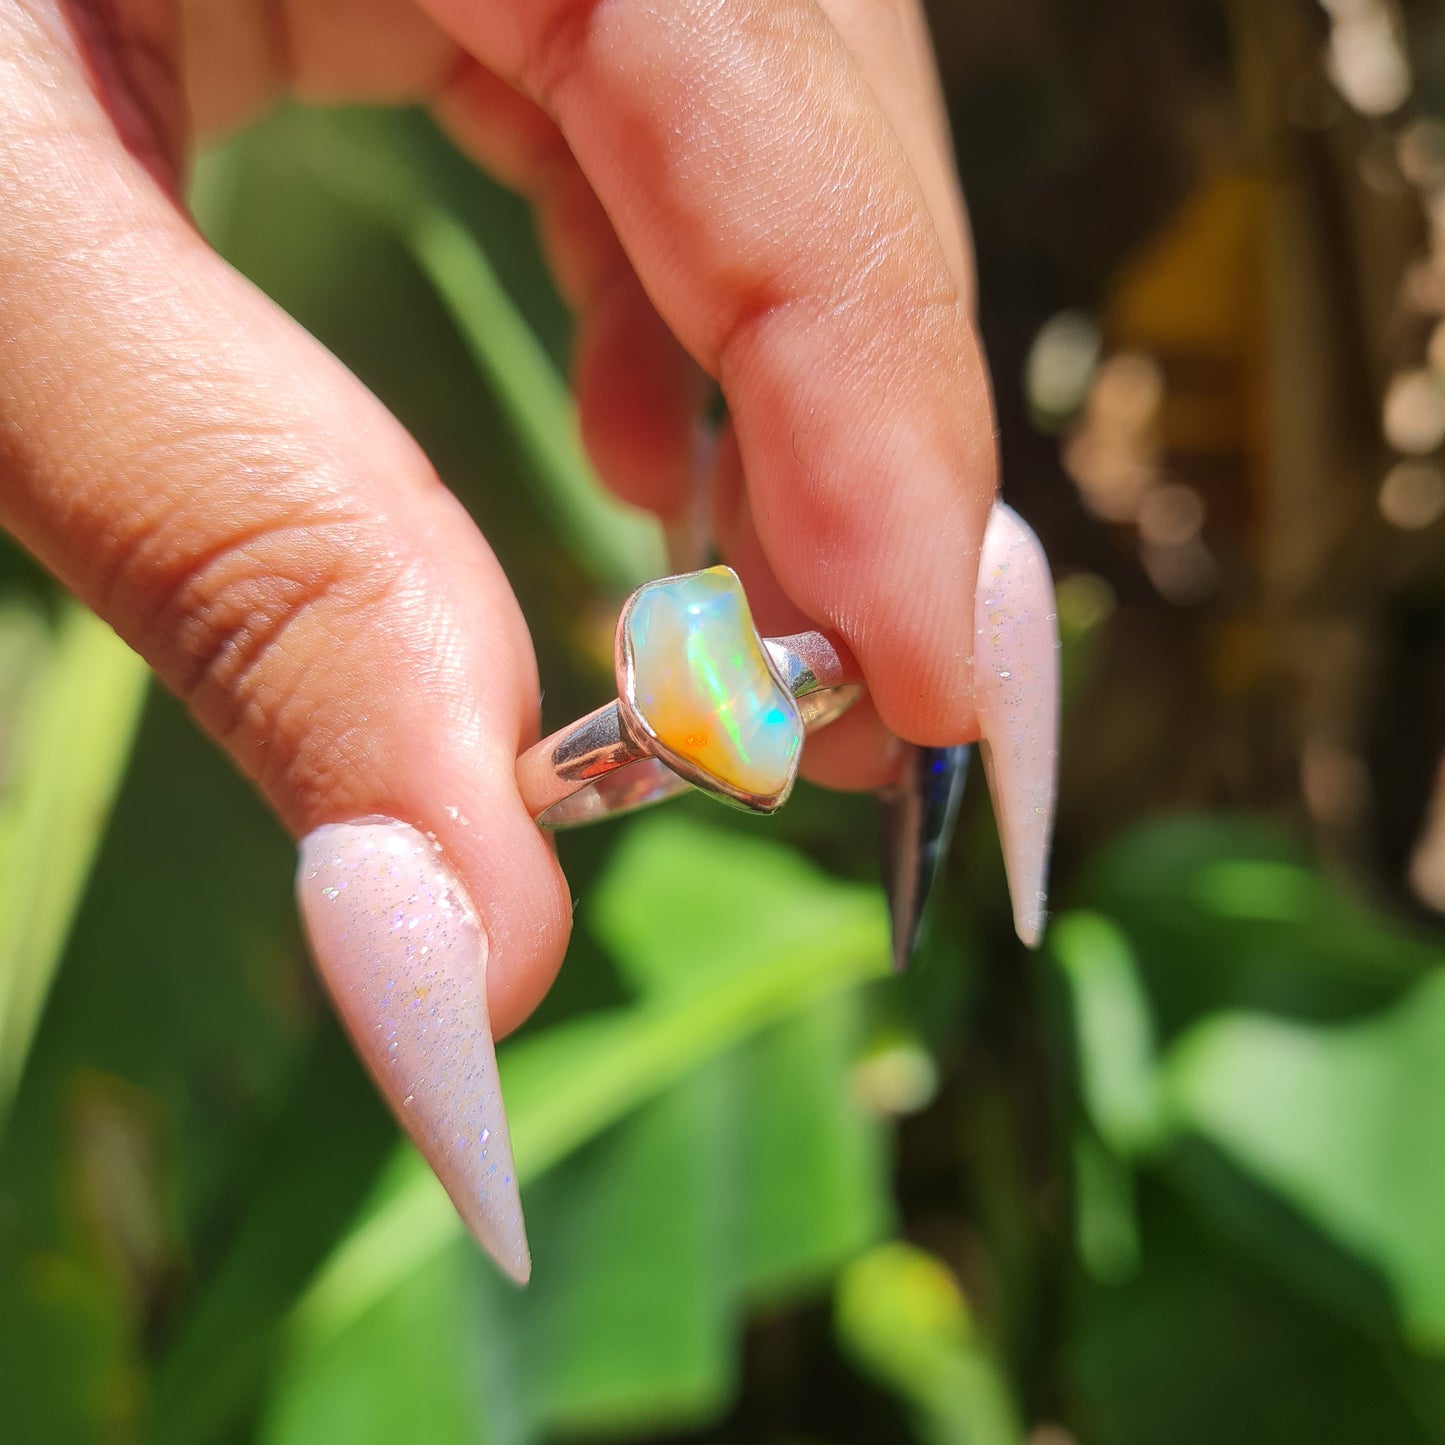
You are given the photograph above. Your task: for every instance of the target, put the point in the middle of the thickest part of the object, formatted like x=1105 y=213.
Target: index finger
x=775 y=221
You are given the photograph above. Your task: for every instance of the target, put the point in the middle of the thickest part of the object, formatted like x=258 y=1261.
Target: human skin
x=756 y=191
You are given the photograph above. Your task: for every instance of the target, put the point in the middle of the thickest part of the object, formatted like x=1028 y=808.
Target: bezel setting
x=645 y=736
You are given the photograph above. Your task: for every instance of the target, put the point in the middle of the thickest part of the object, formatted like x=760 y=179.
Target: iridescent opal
x=702 y=684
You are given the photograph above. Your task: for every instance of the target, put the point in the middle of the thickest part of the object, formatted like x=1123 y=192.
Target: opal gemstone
x=702 y=683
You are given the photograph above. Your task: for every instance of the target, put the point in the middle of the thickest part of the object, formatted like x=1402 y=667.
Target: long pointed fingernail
x=917 y=818
x=1016 y=681
x=404 y=957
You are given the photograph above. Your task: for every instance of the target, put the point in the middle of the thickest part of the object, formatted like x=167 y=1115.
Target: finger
x=385 y=51
x=254 y=523
x=241 y=56
x=775 y=221
x=855 y=752
x=234 y=62
x=638 y=392
x=891 y=46
x=639 y=399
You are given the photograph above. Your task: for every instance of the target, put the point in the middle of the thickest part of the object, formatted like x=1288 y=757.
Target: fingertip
x=870 y=497
x=524 y=901
x=857 y=753
x=916 y=661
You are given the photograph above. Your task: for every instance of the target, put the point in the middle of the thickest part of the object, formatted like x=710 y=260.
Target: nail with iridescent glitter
x=403 y=954
x=1016 y=691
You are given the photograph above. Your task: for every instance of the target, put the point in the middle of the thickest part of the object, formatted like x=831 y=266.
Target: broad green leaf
x=1340 y=1121
x=629 y=1320
x=1318 y=1101
x=1224 y=914
x=1206 y=1344
x=68 y=747
x=676 y=1154
x=813 y=1185
x=312 y=1167
x=682 y=904
x=417 y=1370
x=565 y=1086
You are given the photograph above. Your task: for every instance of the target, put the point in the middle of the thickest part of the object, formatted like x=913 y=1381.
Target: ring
x=702 y=702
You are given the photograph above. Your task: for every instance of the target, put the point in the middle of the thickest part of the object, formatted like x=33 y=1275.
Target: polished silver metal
x=611 y=762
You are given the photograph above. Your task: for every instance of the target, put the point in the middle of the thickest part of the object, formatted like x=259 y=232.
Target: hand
x=761 y=191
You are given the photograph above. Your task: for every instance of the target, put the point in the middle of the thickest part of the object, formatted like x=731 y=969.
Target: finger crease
x=558 y=50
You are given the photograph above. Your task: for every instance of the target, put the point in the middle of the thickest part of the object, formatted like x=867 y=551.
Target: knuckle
x=238 y=623
x=893 y=303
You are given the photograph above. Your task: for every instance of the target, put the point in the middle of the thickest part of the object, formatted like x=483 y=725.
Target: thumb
x=251 y=520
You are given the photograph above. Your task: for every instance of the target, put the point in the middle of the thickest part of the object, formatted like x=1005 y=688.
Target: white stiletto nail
x=403 y=955
x=1016 y=682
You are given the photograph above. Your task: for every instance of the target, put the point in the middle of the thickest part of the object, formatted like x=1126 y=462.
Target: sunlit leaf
x=1338 y=1120
x=1221 y=913
x=812 y=1163
x=629 y=1321
x=568 y=1084
x=413 y=1371
x=70 y=739
x=1113 y=1029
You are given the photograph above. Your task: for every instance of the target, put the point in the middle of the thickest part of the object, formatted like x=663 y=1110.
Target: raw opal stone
x=703 y=685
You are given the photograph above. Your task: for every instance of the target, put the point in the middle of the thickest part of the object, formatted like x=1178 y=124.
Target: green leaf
x=376 y=171
x=565 y=1086
x=1207 y=1344
x=1222 y=914
x=813 y=1185
x=1317 y=1098
x=903 y=1317
x=318 y=1160
x=684 y=905
x=678 y=1154
x=1106 y=1226
x=621 y=545
x=70 y=741
x=1113 y=1029
x=628 y=1323
x=1339 y=1121
x=417 y=1370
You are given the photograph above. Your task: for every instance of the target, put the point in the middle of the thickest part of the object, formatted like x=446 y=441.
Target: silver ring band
x=612 y=761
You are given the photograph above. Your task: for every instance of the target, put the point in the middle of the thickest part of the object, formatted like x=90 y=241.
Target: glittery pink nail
x=404 y=957
x=1016 y=683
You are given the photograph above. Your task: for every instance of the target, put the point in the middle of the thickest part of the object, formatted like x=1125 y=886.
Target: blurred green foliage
x=1179 y=1178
